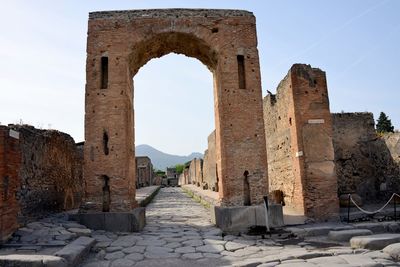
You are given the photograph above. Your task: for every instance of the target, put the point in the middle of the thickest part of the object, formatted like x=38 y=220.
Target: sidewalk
x=144 y=195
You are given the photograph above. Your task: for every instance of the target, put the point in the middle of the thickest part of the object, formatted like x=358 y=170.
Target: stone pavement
x=179 y=233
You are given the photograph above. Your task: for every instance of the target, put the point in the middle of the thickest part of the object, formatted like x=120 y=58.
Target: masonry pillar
x=109 y=149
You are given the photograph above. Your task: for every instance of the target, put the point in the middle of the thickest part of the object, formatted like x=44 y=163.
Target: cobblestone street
x=179 y=233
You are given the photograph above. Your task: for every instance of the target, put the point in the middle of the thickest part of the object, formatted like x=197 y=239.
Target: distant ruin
x=314 y=157
x=366 y=164
x=41 y=172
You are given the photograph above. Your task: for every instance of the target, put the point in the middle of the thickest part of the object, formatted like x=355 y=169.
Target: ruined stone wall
x=144 y=172
x=210 y=165
x=196 y=172
x=279 y=119
x=184 y=177
x=298 y=128
x=10 y=162
x=40 y=172
x=51 y=172
x=392 y=141
x=365 y=162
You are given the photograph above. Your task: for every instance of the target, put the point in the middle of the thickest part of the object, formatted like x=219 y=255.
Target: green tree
x=179 y=168
x=384 y=124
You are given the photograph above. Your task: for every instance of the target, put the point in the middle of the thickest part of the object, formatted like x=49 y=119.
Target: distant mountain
x=163 y=160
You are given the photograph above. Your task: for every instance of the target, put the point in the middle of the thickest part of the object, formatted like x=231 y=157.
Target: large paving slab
x=346 y=235
x=393 y=250
x=374 y=242
x=75 y=252
x=19 y=260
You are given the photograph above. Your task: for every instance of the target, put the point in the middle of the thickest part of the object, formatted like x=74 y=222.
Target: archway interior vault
x=171 y=42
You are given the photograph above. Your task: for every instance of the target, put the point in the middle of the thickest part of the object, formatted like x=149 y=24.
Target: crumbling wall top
x=168 y=13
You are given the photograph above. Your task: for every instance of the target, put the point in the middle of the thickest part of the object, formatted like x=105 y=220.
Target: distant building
x=172 y=177
x=144 y=172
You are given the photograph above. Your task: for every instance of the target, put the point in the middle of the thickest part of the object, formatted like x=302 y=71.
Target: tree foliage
x=159 y=172
x=384 y=124
x=179 y=168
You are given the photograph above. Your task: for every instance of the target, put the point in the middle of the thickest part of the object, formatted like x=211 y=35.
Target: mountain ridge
x=162 y=160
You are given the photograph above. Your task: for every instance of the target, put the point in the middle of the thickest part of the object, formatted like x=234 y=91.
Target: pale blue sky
x=43 y=50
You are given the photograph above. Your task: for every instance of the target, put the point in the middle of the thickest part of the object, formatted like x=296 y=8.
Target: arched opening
x=171 y=42
x=175 y=107
x=178 y=106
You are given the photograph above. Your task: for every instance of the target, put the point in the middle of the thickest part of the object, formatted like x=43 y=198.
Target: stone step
x=393 y=250
x=374 y=242
x=75 y=251
x=346 y=235
x=16 y=260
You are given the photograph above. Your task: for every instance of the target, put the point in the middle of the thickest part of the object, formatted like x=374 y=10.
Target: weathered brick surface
x=130 y=39
x=51 y=171
x=184 y=177
x=41 y=172
x=144 y=172
x=195 y=173
x=298 y=128
x=10 y=162
x=210 y=164
x=366 y=164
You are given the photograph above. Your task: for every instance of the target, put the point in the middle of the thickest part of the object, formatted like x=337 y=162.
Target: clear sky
x=43 y=50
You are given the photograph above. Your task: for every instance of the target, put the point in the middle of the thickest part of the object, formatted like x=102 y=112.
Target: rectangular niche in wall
x=104 y=72
x=241 y=72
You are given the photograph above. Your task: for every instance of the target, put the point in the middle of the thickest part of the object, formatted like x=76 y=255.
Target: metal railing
x=351 y=200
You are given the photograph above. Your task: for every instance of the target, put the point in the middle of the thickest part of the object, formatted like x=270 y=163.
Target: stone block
x=275 y=215
x=21 y=260
x=379 y=227
x=393 y=250
x=346 y=235
x=75 y=251
x=374 y=242
x=139 y=219
x=240 y=219
x=133 y=221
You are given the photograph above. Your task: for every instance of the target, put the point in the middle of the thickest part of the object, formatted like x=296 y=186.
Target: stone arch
x=171 y=42
x=125 y=41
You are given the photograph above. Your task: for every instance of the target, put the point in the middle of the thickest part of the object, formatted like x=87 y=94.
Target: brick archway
x=119 y=43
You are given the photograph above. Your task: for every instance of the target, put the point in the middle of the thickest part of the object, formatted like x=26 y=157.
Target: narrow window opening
x=5 y=188
x=246 y=189
x=241 y=72
x=216 y=175
x=104 y=72
x=105 y=143
x=106 y=193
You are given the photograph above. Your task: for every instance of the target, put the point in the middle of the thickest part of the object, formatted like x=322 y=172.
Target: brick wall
x=10 y=162
x=298 y=129
x=210 y=165
x=195 y=172
x=40 y=173
x=144 y=172
x=223 y=40
x=51 y=172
